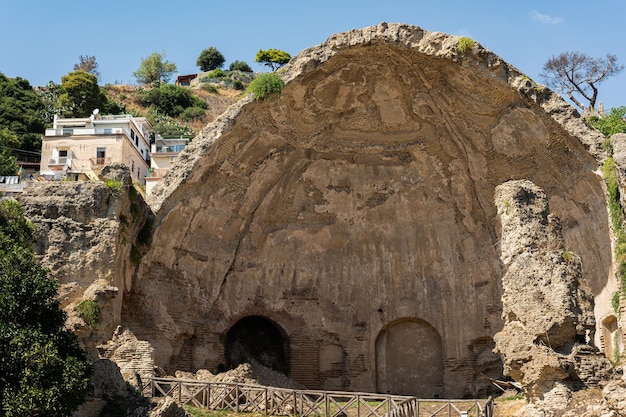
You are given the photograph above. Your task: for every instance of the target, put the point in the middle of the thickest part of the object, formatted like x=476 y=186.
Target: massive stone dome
x=345 y=231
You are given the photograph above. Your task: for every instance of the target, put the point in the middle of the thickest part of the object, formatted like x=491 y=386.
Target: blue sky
x=42 y=39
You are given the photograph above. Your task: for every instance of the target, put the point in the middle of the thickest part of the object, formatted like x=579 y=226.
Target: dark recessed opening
x=256 y=338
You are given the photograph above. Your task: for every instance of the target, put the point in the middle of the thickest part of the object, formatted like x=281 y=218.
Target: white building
x=78 y=148
x=164 y=152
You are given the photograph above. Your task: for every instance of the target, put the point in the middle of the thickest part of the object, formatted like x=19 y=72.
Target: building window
x=100 y=156
x=132 y=167
x=108 y=130
x=67 y=131
x=62 y=160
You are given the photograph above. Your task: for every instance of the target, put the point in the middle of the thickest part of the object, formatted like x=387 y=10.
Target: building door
x=100 y=156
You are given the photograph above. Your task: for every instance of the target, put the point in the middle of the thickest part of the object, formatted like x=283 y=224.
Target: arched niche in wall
x=332 y=367
x=256 y=338
x=409 y=359
x=611 y=338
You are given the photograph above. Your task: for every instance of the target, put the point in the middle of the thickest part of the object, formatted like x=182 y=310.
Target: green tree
x=578 y=75
x=154 y=68
x=210 y=59
x=273 y=58
x=239 y=66
x=612 y=123
x=21 y=111
x=43 y=371
x=81 y=94
x=171 y=100
x=8 y=162
x=88 y=63
x=50 y=95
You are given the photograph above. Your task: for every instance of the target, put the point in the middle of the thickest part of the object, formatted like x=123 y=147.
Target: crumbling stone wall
x=357 y=208
x=546 y=342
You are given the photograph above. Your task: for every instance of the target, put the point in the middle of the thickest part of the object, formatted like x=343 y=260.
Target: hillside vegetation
x=217 y=99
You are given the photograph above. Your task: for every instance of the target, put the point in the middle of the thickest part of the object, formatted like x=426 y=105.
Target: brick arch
x=409 y=359
x=257 y=338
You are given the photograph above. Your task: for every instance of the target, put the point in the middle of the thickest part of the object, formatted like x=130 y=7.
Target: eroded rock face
x=354 y=215
x=547 y=309
x=85 y=234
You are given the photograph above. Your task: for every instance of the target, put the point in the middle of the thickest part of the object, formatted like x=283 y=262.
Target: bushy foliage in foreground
x=43 y=371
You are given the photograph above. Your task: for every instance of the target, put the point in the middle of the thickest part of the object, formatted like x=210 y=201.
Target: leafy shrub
x=240 y=66
x=114 y=185
x=112 y=106
x=612 y=123
x=615 y=302
x=465 y=45
x=89 y=311
x=216 y=73
x=167 y=126
x=171 y=99
x=265 y=85
x=238 y=85
x=191 y=113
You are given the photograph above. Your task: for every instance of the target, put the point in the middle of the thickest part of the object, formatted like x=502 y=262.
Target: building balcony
x=62 y=160
x=11 y=184
x=83 y=131
x=99 y=163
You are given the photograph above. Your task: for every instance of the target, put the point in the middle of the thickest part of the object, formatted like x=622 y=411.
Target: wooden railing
x=243 y=398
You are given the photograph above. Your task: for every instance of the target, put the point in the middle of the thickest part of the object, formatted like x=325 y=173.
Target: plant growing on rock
x=114 y=185
x=615 y=300
x=610 y=124
x=465 y=45
x=89 y=311
x=265 y=85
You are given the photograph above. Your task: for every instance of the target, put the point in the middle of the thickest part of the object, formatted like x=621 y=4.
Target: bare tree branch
x=576 y=73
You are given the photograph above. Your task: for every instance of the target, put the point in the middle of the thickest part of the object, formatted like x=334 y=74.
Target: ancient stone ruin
x=345 y=232
x=546 y=342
